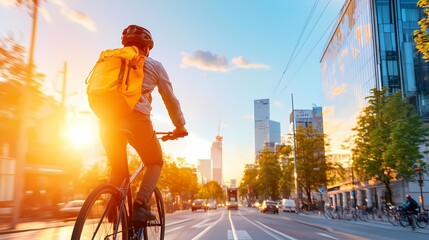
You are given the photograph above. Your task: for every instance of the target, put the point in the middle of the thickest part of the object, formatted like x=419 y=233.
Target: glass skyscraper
x=371 y=46
x=267 y=131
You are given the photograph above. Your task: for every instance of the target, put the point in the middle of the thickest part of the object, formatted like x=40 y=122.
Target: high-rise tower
x=267 y=131
x=216 y=156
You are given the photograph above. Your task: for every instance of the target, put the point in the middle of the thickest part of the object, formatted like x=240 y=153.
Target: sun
x=80 y=134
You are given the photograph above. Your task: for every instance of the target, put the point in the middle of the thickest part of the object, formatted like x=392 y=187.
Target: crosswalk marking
x=241 y=235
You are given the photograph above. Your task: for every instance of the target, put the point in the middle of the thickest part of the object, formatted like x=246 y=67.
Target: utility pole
x=22 y=147
x=295 y=169
x=63 y=91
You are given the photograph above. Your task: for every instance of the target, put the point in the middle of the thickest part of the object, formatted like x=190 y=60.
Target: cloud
x=75 y=16
x=278 y=103
x=241 y=62
x=205 y=60
x=248 y=117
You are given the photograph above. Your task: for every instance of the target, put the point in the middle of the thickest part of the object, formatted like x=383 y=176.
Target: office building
x=216 y=157
x=371 y=46
x=306 y=117
x=204 y=166
x=267 y=131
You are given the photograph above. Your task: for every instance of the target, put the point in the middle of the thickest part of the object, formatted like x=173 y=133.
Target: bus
x=232 y=198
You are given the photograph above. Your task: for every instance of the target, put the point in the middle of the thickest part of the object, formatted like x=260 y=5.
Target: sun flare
x=80 y=134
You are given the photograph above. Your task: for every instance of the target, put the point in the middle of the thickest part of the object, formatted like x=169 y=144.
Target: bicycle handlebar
x=170 y=136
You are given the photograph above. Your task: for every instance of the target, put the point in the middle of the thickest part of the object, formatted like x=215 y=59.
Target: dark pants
x=141 y=136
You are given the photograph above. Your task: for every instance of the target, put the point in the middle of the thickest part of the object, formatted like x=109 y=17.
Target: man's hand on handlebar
x=179 y=132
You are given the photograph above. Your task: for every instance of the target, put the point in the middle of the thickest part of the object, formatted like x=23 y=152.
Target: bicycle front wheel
x=422 y=220
x=155 y=230
x=100 y=216
x=392 y=219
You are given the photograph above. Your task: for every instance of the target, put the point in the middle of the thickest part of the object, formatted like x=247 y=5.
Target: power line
x=312 y=50
x=296 y=45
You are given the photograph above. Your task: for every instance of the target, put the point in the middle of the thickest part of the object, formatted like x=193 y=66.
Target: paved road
x=245 y=224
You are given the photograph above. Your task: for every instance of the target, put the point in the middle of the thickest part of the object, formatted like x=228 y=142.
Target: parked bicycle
x=107 y=211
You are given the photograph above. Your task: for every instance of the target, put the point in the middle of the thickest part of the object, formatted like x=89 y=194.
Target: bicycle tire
x=98 y=217
x=393 y=219
x=421 y=220
x=155 y=230
x=403 y=220
x=362 y=215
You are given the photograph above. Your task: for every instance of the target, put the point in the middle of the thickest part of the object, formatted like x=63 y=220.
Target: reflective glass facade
x=371 y=46
x=267 y=131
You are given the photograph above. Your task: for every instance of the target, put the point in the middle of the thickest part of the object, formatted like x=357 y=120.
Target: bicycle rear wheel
x=98 y=218
x=155 y=230
x=403 y=220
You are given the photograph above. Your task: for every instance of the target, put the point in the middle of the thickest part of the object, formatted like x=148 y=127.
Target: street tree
x=249 y=184
x=311 y=162
x=287 y=181
x=212 y=190
x=388 y=137
x=179 y=181
x=269 y=174
x=13 y=86
x=421 y=37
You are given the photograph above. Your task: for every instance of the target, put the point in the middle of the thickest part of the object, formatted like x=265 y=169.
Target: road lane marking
x=173 y=229
x=327 y=235
x=208 y=228
x=202 y=224
x=234 y=234
x=241 y=235
x=278 y=232
x=177 y=222
x=268 y=229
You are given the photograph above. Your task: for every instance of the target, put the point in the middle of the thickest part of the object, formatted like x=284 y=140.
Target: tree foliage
x=287 y=181
x=212 y=190
x=389 y=133
x=311 y=162
x=180 y=181
x=249 y=184
x=269 y=174
x=421 y=37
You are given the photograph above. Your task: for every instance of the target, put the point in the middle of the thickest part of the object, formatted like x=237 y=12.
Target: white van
x=289 y=205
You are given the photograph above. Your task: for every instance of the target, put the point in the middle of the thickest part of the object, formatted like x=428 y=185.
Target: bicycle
x=392 y=214
x=422 y=218
x=107 y=211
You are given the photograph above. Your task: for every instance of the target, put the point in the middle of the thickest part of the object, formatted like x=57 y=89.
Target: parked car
x=199 y=204
x=269 y=206
x=71 y=209
x=212 y=205
x=289 y=205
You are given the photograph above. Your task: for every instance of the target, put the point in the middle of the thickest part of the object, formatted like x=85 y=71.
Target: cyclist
x=142 y=136
x=411 y=207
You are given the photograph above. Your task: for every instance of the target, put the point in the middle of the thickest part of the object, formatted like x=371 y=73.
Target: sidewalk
x=379 y=222
x=30 y=225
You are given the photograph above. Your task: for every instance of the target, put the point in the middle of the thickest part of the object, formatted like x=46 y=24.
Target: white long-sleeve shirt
x=156 y=76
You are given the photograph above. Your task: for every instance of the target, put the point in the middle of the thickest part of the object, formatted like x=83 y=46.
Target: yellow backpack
x=115 y=82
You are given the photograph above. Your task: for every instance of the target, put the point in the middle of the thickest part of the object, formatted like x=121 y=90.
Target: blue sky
x=220 y=55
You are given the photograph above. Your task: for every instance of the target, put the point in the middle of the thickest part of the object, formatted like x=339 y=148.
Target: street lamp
x=420 y=181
